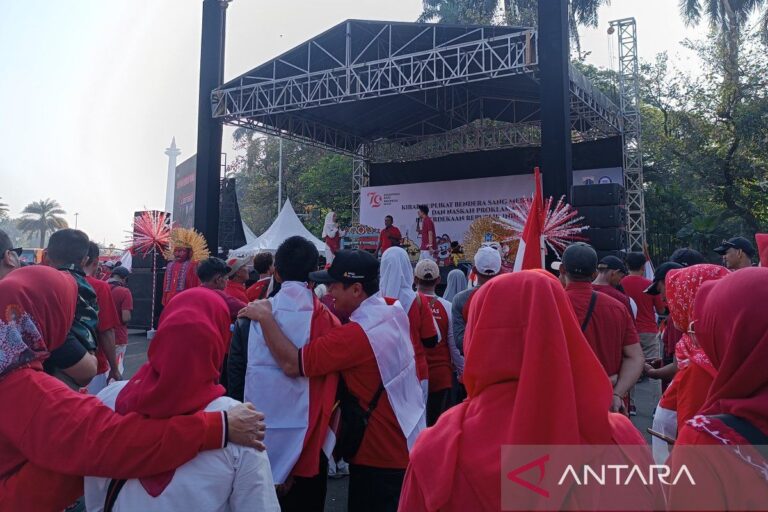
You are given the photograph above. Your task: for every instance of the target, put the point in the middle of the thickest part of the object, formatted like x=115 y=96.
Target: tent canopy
x=286 y=225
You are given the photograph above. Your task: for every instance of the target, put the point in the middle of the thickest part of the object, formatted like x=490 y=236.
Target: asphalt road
x=646 y=396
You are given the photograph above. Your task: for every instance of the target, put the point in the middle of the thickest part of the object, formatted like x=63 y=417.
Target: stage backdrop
x=184 y=195
x=455 y=204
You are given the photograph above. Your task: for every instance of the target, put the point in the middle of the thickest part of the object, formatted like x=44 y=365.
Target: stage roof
x=403 y=91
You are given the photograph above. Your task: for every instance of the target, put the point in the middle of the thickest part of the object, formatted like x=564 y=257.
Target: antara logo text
x=624 y=474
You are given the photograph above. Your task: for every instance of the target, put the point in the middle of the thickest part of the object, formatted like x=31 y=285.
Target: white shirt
x=234 y=478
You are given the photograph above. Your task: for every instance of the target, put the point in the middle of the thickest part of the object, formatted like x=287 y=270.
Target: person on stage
x=390 y=236
x=331 y=235
x=188 y=247
x=428 y=237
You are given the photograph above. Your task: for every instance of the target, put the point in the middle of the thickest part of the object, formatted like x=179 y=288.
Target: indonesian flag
x=530 y=252
x=648 y=270
x=762 y=248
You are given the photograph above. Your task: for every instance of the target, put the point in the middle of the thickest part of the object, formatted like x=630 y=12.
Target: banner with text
x=454 y=205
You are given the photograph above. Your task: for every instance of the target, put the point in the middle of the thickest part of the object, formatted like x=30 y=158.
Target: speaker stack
x=604 y=211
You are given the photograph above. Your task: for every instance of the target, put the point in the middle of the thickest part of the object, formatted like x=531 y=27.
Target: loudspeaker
x=140 y=284
x=603 y=216
x=607 y=239
x=619 y=254
x=604 y=194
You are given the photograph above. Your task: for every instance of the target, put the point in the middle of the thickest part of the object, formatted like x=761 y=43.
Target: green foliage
x=42 y=217
x=316 y=181
x=3 y=210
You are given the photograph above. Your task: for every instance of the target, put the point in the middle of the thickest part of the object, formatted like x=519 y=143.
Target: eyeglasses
x=17 y=250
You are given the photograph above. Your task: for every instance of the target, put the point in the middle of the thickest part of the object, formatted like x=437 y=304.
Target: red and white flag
x=530 y=252
x=648 y=269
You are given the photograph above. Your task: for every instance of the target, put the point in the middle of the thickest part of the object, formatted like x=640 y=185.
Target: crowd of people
x=255 y=389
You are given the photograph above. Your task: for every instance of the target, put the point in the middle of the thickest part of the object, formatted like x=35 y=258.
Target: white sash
x=387 y=330
x=283 y=400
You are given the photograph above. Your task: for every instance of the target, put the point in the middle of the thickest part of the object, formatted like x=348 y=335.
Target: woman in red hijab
x=731 y=326
x=51 y=436
x=524 y=352
x=181 y=377
x=695 y=371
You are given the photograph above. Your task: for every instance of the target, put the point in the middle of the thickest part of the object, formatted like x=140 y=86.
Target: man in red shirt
x=297 y=434
x=647 y=305
x=389 y=236
x=428 y=237
x=374 y=356
x=124 y=304
x=443 y=357
x=610 y=271
x=108 y=321
x=263 y=263
x=606 y=323
x=236 y=279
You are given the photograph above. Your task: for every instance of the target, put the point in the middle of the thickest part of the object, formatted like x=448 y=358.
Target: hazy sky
x=91 y=91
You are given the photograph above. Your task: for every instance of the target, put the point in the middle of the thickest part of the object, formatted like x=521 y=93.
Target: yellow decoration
x=487 y=230
x=189 y=239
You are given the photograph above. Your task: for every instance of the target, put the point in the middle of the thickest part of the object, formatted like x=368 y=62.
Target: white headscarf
x=396 y=277
x=330 y=228
x=457 y=282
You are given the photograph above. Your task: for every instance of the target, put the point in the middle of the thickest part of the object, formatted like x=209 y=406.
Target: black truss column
x=209 y=130
x=554 y=58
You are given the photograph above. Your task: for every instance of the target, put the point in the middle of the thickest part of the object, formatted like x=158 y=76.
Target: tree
x=42 y=217
x=3 y=210
x=509 y=12
x=315 y=180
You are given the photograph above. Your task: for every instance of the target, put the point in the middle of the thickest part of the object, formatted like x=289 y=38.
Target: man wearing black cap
x=610 y=271
x=374 y=355
x=670 y=335
x=123 y=298
x=606 y=323
x=737 y=253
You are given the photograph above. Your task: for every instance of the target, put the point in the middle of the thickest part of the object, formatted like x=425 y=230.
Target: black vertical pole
x=554 y=58
x=209 y=130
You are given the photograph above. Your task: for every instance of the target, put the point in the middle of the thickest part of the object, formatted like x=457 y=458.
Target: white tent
x=287 y=224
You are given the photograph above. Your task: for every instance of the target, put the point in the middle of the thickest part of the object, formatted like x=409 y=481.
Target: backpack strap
x=114 y=488
x=374 y=402
x=590 y=310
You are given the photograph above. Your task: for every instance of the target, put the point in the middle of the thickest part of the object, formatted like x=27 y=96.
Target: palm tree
x=41 y=217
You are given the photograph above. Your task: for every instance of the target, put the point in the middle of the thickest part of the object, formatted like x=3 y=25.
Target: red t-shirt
x=616 y=294
x=108 y=316
x=647 y=305
x=346 y=349
x=388 y=237
x=427 y=227
x=123 y=302
x=236 y=290
x=439 y=357
x=422 y=327
x=334 y=242
x=258 y=290
x=610 y=329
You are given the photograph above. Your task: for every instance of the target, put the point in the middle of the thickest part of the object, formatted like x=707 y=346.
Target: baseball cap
x=236 y=264
x=658 y=276
x=488 y=261
x=427 y=270
x=580 y=259
x=121 y=271
x=687 y=257
x=349 y=266
x=612 y=263
x=738 y=242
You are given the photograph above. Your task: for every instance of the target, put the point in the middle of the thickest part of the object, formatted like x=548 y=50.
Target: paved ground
x=646 y=396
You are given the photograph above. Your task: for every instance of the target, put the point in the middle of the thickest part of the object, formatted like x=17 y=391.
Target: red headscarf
x=181 y=374
x=732 y=327
x=523 y=347
x=37 y=308
x=682 y=286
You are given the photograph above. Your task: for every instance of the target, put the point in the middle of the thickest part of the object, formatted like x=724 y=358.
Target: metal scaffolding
x=360 y=176
x=629 y=103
